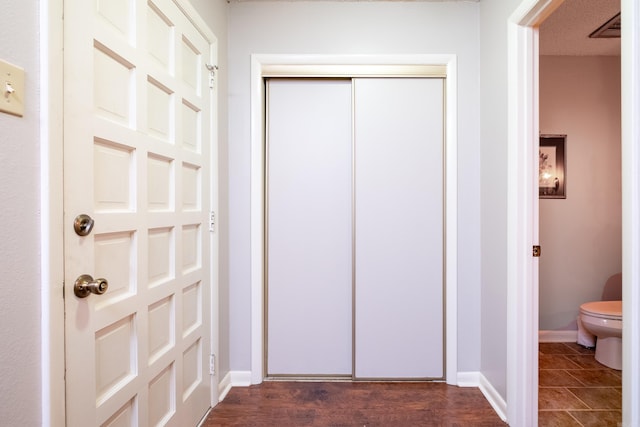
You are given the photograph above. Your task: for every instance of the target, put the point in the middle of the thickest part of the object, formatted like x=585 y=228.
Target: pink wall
x=580 y=235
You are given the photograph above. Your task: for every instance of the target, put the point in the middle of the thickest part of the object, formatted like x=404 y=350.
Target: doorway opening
x=581 y=229
x=522 y=367
x=343 y=66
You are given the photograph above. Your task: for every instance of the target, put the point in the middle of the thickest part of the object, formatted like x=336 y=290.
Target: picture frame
x=552 y=167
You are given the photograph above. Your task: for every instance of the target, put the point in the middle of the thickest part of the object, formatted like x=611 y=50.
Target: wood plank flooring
x=574 y=391
x=358 y=404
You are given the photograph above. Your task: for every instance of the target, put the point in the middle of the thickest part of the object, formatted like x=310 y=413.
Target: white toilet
x=604 y=320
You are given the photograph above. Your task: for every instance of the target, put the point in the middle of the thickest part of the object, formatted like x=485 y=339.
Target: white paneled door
x=138 y=149
x=355 y=228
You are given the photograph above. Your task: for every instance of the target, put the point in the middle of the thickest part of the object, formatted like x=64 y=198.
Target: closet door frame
x=327 y=66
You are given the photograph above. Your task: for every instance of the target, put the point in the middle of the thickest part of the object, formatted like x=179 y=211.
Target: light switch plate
x=11 y=89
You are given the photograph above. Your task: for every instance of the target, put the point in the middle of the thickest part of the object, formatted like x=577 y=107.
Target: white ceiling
x=566 y=31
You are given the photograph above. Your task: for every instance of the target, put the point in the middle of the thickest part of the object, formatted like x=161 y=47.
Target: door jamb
x=52 y=368
x=630 y=67
x=258 y=62
x=522 y=216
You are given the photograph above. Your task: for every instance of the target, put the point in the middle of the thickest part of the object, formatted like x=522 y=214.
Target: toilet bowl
x=604 y=320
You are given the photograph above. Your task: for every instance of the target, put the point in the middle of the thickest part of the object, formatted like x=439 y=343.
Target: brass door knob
x=85 y=285
x=83 y=224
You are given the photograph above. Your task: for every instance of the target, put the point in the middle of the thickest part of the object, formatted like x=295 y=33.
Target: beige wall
x=580 y=235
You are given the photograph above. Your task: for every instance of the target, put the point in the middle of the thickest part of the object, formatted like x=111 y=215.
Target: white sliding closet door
x=399 y=249
x=309 y=232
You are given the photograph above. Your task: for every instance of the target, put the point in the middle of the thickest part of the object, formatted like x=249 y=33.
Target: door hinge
x=212 y=364
x=212 y=74
x=212 y=221
x=537 y=251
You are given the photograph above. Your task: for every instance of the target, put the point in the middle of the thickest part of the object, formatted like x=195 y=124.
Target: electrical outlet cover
x=11 y=89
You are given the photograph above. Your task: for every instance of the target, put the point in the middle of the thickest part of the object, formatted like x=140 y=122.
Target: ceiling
x=566 y=31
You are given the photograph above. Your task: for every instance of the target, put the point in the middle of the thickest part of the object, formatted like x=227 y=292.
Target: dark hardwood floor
x=353 y=404
x=575 y=390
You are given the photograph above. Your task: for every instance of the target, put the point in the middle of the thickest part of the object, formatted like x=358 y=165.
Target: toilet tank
x=612 y=290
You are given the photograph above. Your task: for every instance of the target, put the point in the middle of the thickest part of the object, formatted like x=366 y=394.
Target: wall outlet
x=11 y=89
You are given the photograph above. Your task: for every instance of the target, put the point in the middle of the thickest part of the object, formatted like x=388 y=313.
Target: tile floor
x=576 y=390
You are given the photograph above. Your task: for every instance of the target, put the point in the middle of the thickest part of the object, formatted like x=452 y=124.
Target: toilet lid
x=605 y=309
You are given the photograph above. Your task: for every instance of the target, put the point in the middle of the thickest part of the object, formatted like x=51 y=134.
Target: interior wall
x=581 y=236
x=20 y=224
x=354 y=28
x=494 y=16
x=214 y=13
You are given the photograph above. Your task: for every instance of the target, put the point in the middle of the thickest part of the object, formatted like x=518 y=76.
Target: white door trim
x=259 y=64
x=522 y=284
x=522 y=211
x=522 y=297
x=52 y=369
x=51 y=214
x=630 y=211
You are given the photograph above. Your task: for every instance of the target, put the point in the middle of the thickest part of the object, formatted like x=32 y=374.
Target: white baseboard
x=224 y=386
x=240 y=378
x=491 y=394
x=558 y=336
x=233 y=379
x=468 y=379
x=476 y=379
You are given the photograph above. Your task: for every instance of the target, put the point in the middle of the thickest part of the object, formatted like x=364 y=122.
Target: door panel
x=399 y=228
x=137 y=154
x=309 y=227
x=385 y=206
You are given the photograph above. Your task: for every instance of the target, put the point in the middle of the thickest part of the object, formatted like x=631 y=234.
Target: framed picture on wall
x=552 y=167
